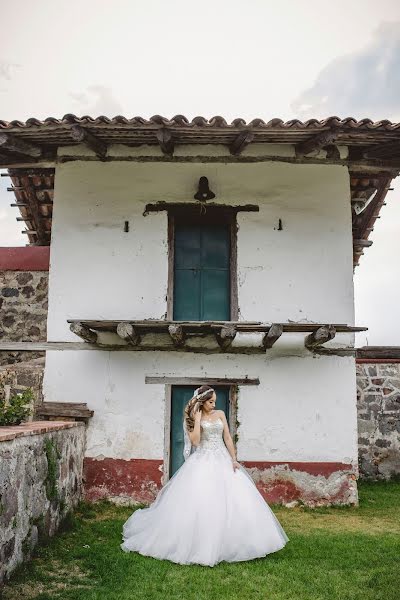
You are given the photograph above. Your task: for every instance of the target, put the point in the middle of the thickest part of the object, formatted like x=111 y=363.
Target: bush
x=17 y=409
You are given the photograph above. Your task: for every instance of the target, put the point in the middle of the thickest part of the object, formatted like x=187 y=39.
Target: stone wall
x=40 y=482
x=23 y=306
x=378 y=404
x=17 y=377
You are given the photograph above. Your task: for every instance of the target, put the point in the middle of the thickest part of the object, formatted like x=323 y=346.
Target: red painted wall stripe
x=313 y=468
x=25 y=258
x=372 y=361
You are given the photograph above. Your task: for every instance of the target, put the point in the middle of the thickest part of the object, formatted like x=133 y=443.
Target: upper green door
x=181 y=395
x=202 y=272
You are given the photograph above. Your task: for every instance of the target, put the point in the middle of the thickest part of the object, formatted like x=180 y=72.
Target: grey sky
x=260 y=58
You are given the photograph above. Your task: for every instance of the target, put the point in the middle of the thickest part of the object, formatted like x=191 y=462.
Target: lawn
x=333 y=553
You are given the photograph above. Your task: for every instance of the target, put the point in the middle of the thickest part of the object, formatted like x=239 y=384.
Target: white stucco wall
x=304 y=408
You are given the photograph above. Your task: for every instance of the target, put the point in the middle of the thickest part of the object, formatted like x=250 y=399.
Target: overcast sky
x=248 y=58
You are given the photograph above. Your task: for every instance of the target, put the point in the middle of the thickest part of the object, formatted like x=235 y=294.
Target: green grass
x=339 y=553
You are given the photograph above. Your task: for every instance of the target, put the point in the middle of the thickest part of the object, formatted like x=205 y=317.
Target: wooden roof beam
x=164 y=138
x=128 y=333
x=225 y=336
x=240 y=142
x=80 y=134
x=36 y=217
x=389 y=150
x=326 y=138
x=10 y=143
x=177 y=334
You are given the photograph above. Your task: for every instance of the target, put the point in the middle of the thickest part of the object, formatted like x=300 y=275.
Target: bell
x=204 y=192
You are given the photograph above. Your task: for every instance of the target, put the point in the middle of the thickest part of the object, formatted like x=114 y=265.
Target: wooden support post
x=239 y=144
x=127 y=332
x=320 y=336
x=79 y=134
x=164 y=138
x=274 y=333
x=84 y=332
x=225 y=336
x=316 y=142
x=177 y=334
x=12 y=144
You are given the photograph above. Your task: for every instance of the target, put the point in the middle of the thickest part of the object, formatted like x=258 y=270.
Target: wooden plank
x=320 y=336
x=202 y=380
x=84 y=332
x=379 y=352
x=272 y=335
x=10 y=143
x=67 y=409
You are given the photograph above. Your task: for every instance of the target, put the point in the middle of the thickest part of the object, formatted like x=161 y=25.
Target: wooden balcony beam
x=84 y=332
x=128 y=333
x=272 y=335
x=82 y=135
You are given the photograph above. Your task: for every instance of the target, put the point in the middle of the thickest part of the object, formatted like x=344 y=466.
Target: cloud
x=363 y=84
x=97 y=100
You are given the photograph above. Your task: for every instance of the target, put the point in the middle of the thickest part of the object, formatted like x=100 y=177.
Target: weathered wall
x=99 y=271
x=23 y=298
x=17 y=377
x=378 y=400
x=41 y=480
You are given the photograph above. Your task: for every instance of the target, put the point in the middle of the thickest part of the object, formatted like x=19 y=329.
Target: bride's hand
x=197 y=414
x=235 y=465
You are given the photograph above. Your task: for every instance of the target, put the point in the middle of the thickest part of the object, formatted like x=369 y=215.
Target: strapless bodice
x=211 y=436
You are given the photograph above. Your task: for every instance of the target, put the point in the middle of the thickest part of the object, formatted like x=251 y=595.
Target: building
x=204 y=252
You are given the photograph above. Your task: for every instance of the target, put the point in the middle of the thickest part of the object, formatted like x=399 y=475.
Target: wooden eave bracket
x=165 y=141
x=128 y=333
x=241 y=142
x=10 y=143
x=177 y=334
x=326 y=138
x=84 y=332
x=320 y=336
x=272 y=335
x=225 y=336
x=82 y=135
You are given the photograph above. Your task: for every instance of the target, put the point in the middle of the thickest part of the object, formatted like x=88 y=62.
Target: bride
x=210 y=510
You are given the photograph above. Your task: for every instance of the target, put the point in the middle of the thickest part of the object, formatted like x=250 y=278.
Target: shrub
x=17 y=409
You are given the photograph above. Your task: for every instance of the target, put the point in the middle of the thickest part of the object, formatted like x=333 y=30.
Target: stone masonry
x=378 y=404
x=40 y=482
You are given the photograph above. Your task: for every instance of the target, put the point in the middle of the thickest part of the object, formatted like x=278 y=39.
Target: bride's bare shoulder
x=221 y=413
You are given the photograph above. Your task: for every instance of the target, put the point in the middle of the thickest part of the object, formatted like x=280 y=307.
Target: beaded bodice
x=211 y=436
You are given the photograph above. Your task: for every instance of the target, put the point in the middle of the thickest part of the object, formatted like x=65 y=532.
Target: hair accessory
x=199 y=396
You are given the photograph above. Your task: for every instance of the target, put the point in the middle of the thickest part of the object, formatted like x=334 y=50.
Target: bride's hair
x=188 y=412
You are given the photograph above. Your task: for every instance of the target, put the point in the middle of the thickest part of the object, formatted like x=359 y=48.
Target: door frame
x=220 y=215
x=232 y=421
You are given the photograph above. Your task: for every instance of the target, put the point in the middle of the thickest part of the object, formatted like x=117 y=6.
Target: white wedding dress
x=207 y=512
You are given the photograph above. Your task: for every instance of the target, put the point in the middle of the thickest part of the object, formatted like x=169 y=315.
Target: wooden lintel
x=128 y=333
x=10 y=143
x=164 y=138
x=177 y=335
x=225 y=336
x=202 y=380
x=84 y=332
x=64 y=409
x=272 y=335
x=316 y=142
x=211 y=206
x=320 y=336
x=80 y=134
x=240 y=142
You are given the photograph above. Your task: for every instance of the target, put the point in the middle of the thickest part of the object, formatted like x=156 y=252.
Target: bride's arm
x=227 y=437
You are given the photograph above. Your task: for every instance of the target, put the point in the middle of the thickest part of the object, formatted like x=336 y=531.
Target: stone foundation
x=41 y=481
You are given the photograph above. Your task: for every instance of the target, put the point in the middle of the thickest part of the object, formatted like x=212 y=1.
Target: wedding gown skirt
x=207 y=512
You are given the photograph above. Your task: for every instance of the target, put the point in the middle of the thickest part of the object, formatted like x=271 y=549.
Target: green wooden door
x=202 y=272
x=180 y=396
